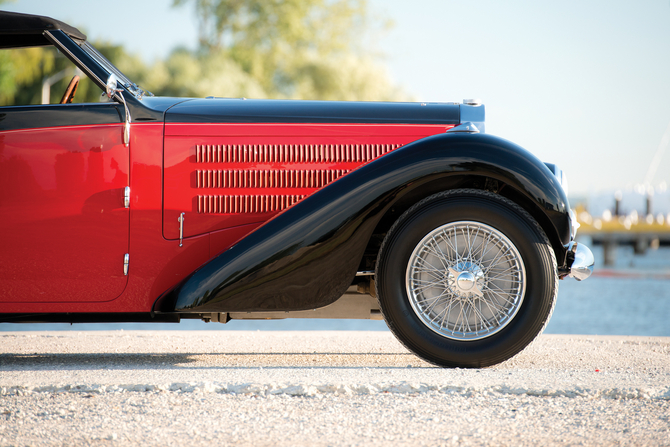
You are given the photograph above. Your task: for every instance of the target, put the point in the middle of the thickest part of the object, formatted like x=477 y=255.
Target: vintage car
x=148 y=209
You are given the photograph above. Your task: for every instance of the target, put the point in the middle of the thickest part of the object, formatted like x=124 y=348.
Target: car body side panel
x=281 y=265
x=64 y=225
x=155 y=263
x=232 y=175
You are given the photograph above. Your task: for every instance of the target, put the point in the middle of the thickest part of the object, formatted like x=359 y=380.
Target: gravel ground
x=325 y=388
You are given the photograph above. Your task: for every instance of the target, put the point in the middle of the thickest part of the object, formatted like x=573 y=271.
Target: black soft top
x=27 y=30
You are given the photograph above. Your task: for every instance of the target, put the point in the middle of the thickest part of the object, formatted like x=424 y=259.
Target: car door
x=64 y=224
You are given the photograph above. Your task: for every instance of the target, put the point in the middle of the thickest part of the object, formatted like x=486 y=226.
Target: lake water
x=630 y=298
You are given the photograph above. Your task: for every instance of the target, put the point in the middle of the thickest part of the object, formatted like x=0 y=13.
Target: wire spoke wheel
x=465 y=280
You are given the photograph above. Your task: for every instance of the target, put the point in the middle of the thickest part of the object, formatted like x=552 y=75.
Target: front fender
x=307 y=256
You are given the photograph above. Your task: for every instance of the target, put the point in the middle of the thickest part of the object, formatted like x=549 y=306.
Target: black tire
x=491 y=300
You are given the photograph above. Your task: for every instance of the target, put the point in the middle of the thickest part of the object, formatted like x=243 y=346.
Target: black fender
x=307 y=256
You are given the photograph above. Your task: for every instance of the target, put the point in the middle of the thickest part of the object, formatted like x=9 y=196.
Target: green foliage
x=296 y=48
x=7 y=78
x=23 y=70
x=300 y=49
x=197 y=75
x=22 y=73
x=344 y=78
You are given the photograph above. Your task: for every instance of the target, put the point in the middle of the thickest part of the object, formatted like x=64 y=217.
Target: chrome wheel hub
x=465 y=280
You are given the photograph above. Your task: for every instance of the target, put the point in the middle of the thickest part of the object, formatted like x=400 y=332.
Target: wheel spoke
x=466 y=280
x=437 y=251
x=432 y=267
x=433 y=300
x=495 y=261
x=437 y=300
x=425 y=286
x=482 y=318
x=502 y=295
x=511 y=271
x=495 y=312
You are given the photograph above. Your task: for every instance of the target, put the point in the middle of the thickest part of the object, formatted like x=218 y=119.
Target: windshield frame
x=101 y=60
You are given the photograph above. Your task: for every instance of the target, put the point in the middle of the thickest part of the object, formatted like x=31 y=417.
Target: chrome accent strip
x=126 y=197
x=101 y=60
x=365 y=273
x=467 y=127
x=582 y=266
x=126 y=261
x=112 y=89
x=181 y=229
x=126 y=126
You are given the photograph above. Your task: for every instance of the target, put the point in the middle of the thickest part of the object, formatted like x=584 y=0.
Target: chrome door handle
x=181 y=229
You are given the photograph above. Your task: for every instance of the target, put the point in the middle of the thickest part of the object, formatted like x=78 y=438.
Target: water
x=630 y=298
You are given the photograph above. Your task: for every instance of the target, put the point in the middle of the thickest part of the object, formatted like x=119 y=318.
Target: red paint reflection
x=62 y=213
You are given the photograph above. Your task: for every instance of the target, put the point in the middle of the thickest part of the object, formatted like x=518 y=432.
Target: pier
x=643 y=233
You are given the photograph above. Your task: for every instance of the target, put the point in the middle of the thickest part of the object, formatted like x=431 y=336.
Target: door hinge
x=126 y=261
x=126 y=197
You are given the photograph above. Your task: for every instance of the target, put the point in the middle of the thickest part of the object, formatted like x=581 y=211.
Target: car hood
x=223 y=110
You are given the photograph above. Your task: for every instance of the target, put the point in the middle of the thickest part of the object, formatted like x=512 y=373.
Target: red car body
x=157 y=209
x=63 y=205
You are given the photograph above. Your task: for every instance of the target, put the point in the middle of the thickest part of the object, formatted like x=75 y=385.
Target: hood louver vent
x=275 y=179
x=245 y=204
x=229 y=177
x=291 y=153
x=308 y=178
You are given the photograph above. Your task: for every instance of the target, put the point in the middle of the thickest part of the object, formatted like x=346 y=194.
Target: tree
x=300 y=49
x=184 y=73
x=21 y=74
x=23 y=70
x=296 y=48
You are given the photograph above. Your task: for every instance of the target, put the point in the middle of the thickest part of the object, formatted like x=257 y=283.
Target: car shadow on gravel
x=241 y=360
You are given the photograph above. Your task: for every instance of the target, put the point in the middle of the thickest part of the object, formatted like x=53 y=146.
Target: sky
x=583 y=84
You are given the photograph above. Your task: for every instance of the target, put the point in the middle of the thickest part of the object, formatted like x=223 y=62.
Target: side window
x=41 y=75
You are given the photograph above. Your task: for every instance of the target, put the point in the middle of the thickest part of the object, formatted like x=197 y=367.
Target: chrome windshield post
x=112 y=89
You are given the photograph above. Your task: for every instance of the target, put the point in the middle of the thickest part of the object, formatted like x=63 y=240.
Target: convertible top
x=27 y=30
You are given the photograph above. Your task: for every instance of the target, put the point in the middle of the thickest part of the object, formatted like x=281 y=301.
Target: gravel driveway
x=324 y=388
